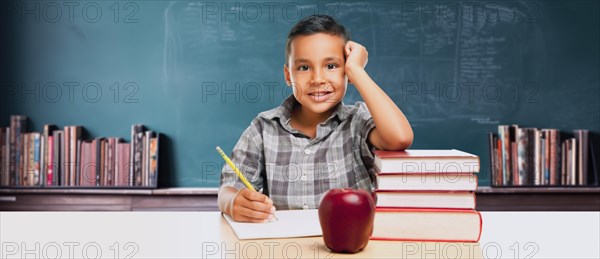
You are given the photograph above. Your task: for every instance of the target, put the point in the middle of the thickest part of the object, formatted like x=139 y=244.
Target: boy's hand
x=251 y=206
x=356 y=56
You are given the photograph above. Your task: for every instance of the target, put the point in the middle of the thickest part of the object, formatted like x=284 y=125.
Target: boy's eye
x=303 y=68
x=331 y=66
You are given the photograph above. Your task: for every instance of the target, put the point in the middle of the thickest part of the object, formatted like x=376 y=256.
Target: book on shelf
x=522 y=156
x=425 y=160
x=438 y=225
x=65 y=157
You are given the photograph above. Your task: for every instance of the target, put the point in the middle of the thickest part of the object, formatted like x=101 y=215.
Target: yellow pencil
x=237 y=171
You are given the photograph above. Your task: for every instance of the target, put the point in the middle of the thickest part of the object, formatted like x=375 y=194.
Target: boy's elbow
x=403 y=144
x=400 y=143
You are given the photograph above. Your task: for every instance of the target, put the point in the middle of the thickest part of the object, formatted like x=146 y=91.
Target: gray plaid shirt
x=299 y=170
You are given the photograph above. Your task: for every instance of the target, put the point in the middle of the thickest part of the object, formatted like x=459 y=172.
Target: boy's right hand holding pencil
x=251 y=206
x=245 y=205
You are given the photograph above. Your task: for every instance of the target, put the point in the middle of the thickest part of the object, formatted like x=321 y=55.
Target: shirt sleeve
x=248 y=157
x=364 y=125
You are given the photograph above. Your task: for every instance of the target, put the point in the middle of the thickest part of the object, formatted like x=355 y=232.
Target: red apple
x=346 y=217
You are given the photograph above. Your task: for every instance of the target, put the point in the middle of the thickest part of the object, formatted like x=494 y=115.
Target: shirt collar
x=284 y=111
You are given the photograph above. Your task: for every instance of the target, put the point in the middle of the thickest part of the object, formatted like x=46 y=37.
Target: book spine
x=137 y=158
x=573 y=165
x=37 y=177
x=500 y=176
x=563 y=172
x=18 y=127
x=50 y=164
x=98 y=158
x=58 y=156
x=136 y=129
x=127 y=163
x=102 y=162
x=7 y=160
x=544 y=177
x=42 y=155
x=117 y=166
x=491 y=150
x=522 y=156
x=582 y=137
x=154 y=161
x=537 y=157
x=66 y=155
x=146 y=159
x=110 y=161
x=24 y=164
x=2 y=176
x=78 y=166
x=504 y=138
x=75 y=134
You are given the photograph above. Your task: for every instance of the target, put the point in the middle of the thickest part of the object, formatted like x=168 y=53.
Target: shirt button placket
x=303 y=178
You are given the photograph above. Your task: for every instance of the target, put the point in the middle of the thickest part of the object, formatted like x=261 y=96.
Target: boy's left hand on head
x=356 y=56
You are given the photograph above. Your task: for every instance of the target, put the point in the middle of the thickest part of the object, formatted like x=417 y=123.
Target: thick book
x=495 y=172
x=505 y=147
x=57 y=167
x=18 y=126
x=582 y=137
x=135 y=154
x=426 y=199
x=154 y=160
x=88 y=165
x=75 y=135
x=123 y=164
x=45 y=148
x=6 y=155
x=427 y=181
x=2 y=161
x=425 y=161
x=437 y=225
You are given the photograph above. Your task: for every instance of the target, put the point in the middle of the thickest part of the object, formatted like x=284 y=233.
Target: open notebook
x=290 y=223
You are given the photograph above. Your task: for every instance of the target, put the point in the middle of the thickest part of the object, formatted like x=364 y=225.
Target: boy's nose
x=317 y=78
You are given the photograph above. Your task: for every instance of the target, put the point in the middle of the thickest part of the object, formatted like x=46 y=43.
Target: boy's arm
x=392 y=130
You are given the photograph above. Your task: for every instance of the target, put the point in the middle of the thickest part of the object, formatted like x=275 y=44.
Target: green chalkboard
x=199 y=72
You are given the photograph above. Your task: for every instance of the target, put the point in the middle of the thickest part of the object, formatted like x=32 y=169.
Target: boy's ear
x=286 y=74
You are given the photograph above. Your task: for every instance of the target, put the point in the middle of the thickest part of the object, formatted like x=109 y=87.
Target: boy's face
x=315 y=69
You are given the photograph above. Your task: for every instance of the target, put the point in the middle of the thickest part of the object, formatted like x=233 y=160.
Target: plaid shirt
x=299 y=170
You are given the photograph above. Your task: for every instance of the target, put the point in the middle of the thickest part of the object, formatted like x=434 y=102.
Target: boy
x=313 y=142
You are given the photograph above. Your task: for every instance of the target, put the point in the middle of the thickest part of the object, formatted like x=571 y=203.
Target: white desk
x=206 y=234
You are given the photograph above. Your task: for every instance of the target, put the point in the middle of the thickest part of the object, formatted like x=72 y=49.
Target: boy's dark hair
x=317 y=23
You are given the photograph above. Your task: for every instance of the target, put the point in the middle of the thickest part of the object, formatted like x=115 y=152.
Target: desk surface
x=206 y=234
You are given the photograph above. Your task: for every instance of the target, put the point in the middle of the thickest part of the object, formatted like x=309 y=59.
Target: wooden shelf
x=81 y=199
x=205 y=199
x=538 y=198
x=487 y=189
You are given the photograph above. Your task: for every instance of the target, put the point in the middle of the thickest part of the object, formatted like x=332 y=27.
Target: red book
x=426 y=161
x=426 y=199
x=435 y=225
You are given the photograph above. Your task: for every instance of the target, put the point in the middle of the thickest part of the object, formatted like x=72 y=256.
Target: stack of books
x=426 y=195
x=525 y=156
x=63 y=158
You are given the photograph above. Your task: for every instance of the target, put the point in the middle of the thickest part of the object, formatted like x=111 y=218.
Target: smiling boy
x=313 y=142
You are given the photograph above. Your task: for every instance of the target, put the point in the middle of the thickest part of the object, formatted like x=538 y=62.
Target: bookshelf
x=205 y=199
x=538 y=198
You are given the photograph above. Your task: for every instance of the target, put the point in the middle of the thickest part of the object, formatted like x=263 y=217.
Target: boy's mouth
x=320 y=96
